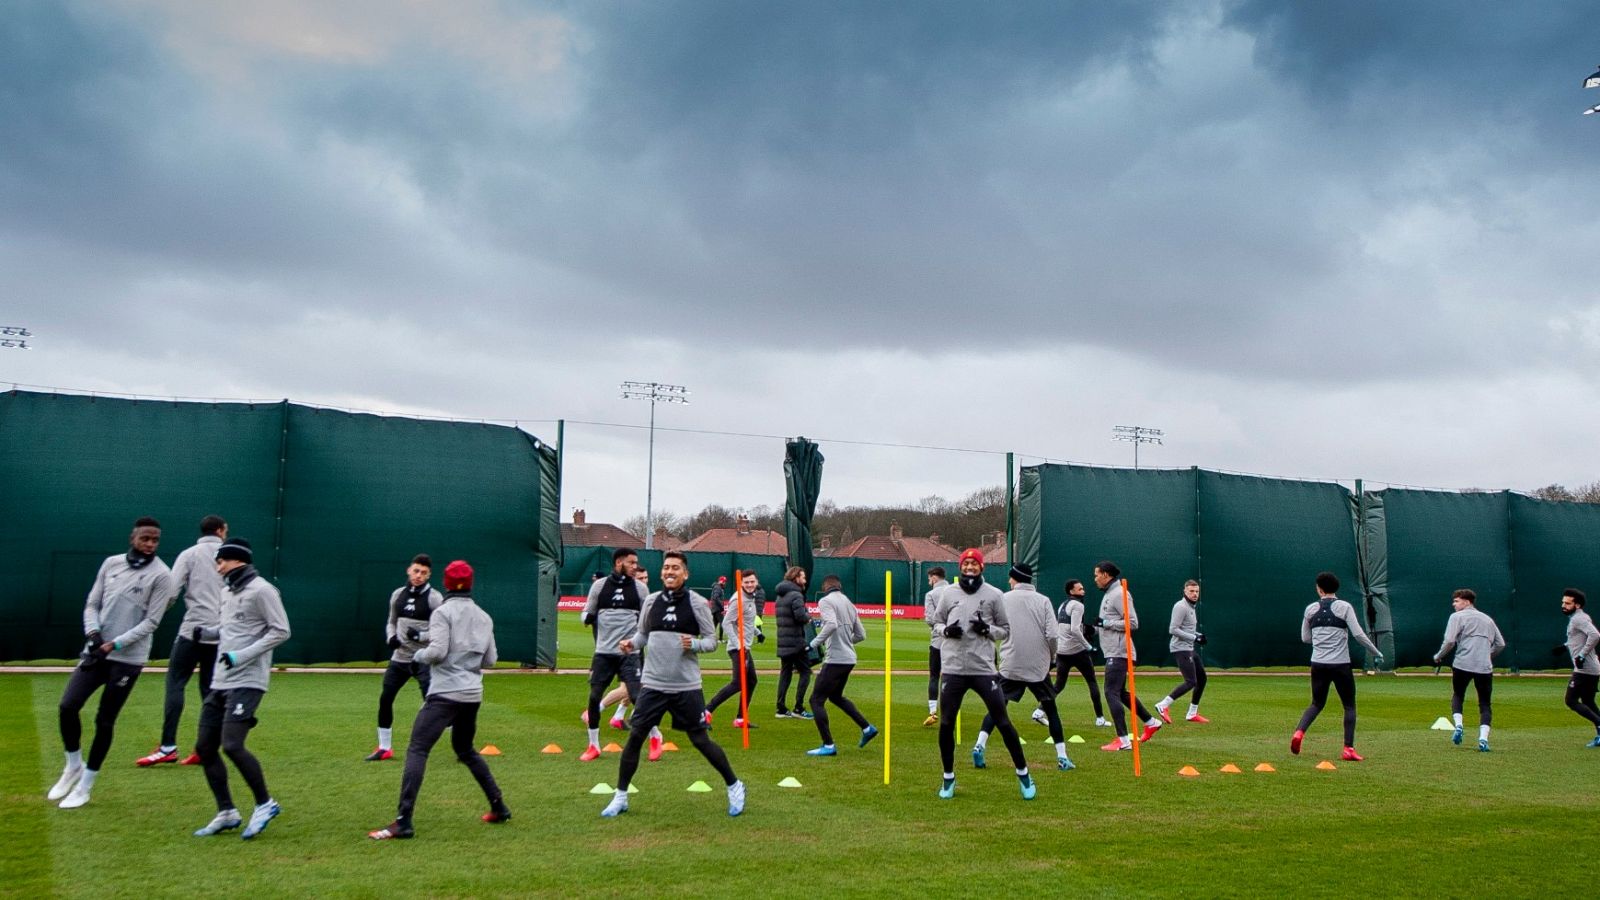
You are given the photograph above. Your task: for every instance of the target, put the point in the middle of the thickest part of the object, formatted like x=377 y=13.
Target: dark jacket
x=790 y=611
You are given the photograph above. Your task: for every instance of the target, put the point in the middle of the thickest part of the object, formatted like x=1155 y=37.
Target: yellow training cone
x=601 y=788
x=1189 y=771
x=550 y=748
x=700 y=787
x=1230 y=768
x=790 y=782
x=1265 y=767
x=489 y=750
x=1326 y=766
x=1075 y=739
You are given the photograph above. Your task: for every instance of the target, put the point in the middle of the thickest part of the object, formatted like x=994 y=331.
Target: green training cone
x=791 y=781
x=1075 y=739
x=1442 y=724
x=602 y=788
x=1022 y=739
x=633 y=789
x=699 y=787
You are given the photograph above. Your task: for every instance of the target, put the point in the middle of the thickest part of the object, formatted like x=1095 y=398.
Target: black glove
x=394 y=642
x=226 y=659
x=979 y=626
x=1099 y=622
x=588 y=618
x=1200 y=640
x=413 y=635
x=195 y=635
x=90 y=654
x=953 y=630
x=761 y=636
x=1577 y=661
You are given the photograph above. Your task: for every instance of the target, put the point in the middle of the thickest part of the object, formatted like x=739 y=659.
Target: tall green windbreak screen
x=335 y=504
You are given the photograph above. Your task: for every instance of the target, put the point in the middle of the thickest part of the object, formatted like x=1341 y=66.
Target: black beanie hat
x=235 y=548
x=1022 y=573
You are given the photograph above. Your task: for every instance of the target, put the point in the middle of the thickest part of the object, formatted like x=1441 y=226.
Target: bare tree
x=1554 y=492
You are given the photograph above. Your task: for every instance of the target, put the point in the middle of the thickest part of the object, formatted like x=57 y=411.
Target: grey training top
x=612 y=626
x=195 y=573
x=1330 y=645
x=841 y=629
x=971 y=653
x=667 y=665
x=928 y=601
x=126 y=605
x=1185 y=626
x=730 y=621
x=1113 y=630
x=1581 y=638
x=1475 y=638
x=400 y=621
x=1030 y=644
x=1069 y=628
x=253 y=622
x=460 y=646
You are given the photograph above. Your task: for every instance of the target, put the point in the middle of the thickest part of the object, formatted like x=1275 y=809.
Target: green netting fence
x=334 y=503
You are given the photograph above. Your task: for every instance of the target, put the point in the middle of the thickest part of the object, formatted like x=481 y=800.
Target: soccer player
x=1185 y=646
x=1328 y=625
x=1475 y=639
x=741 y=646
x=1581 y=640
x=1025 y=659
x=936 y=583
x=1113 y=631
x=674 y=629
x=458 y=644
x=1072 y=651
x=613 y=611
x=410 y=607
x=253 y=622
x=793 y=620
x=619 y=694
x=124 y=607
x=970 y=618
x=195 y=574
x=841 y=631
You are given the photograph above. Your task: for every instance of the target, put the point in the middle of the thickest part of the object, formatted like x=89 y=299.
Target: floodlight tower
x=1136 y=435
x=655 y=393
x=14 y=337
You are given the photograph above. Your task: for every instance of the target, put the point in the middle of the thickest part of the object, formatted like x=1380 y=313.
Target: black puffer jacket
x=790 y=611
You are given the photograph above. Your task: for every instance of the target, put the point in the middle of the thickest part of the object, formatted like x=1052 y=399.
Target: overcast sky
x=1328 y=240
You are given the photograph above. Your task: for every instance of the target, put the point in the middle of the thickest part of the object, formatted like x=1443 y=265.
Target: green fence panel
x=1262 y=543
x=76 y=471
x=1439 y=541
x=1554 y=546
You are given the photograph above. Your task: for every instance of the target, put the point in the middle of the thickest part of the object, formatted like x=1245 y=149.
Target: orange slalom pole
x=1133 y=696
x=744 y=658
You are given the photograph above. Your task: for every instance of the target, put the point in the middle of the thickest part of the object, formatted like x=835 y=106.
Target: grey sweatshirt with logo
x=841 y=629
x=667 y=665
x=928 y=601
x=195 y=573
x=253 y=622
x=1070 y=639
x=460 y=646
x=971 y=653
x=1330 y=645
x=1581 y=639
x=730 y=620
x=1113 y=630
x=126 y=605
x=1185 y=626
x=398 y=624
x=1475 y=639
x=612 y=626
x=1030 y=643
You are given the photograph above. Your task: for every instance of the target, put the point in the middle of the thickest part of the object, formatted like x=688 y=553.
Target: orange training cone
x=669 y=747
x=611 y=748
x=1326 y=766
x=489 y=750
x=1189 y=772
x=1265 y=767
x=1230 y=768
x=550 y=748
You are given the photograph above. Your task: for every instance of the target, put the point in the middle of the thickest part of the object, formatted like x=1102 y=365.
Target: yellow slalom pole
x=888 y=667
x=1133 y=696
x=744 y=658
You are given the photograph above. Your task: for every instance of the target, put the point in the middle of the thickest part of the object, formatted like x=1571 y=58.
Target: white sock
x=1483 y=732
x=1022 y=772
x=1163 y=703
x=1457 y=717
x=933 y=707
x=594 y=737
x=983 y=740
x=75 y=759
x=949 y=776
x=385 y=738
x=1154 y=722
x=620 y=708
x=656 y=733
x=87 y=781
x=1061 y=748
x=1194 y=710
x=1126 y=741
x=1099 y=721
x=622 y=794
x=165 y=748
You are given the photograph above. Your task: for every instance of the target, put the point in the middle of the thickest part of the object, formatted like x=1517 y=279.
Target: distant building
x=738 y=539
x=994 y=549
x=893 y=546
x=582 y=533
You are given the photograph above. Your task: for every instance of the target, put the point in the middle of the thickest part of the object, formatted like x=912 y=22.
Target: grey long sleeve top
x=1475 y=639
x=253 y=622
x=1331 y=645
x=126 y=605
x=1113 y=630
x=928 y=601
x=730 y=620
x=971 y=653
x=1030 y=642
x=405 y=614
x=195 y=573
x=460 y=646
x=613 y=624
x=667 y=665
x=1581 y=640
x=1185 y=626
x=1070 y=638
x=841 y=629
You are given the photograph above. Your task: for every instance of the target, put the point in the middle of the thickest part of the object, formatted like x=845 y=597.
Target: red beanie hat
x=458 y=576
x=971 y=553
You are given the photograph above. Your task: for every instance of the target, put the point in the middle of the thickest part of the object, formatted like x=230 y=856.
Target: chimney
x=744 y=524
x=827 y=542
x=895 y=534
x=578 y=519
